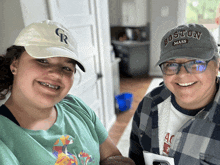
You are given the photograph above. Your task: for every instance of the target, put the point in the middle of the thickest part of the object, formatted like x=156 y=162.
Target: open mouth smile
x=186 y=84
x=50 y=85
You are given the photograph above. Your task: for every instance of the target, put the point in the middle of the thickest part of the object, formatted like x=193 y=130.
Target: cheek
x=211 y=72
x=69 y=80
x=29 y=72
x=168 y=81
x=207 y=78
x=33 y=72
x=213 y=68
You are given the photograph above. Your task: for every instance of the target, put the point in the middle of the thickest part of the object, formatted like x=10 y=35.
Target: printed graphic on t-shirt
x=66 y=158
x=167 y=143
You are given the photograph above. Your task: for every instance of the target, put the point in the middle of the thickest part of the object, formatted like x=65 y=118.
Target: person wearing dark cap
x=180 y=119
x=40 y=123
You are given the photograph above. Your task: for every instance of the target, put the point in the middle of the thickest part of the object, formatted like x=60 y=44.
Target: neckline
x=53 y=127
x=184 y=111
x=7 y=113
x=192 y=112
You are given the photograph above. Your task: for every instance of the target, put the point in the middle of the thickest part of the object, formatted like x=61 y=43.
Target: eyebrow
x=71 y=61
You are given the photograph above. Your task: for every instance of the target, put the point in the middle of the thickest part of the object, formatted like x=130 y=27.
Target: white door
x=80 y=18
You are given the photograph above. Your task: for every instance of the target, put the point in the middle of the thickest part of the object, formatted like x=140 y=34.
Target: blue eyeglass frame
x=186 y=65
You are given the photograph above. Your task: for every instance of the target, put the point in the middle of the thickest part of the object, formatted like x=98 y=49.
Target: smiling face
x=192 y=91
x=42 y=82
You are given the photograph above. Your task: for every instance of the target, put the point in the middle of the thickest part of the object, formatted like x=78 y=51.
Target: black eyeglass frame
x=185 y=66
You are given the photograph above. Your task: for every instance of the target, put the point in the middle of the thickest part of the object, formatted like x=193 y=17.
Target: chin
x=187 y=99
x=47 y=102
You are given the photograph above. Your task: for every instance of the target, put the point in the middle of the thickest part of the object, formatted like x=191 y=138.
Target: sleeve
x=100 y=129
x=97 y=124
x=6 y=156
x=135 y=150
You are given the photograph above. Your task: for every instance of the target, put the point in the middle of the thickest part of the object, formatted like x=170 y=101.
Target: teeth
x=185 y=84
x=49 y=85
x=43 y=83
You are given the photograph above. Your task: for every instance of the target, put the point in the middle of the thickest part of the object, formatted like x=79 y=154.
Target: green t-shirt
x=74 y=138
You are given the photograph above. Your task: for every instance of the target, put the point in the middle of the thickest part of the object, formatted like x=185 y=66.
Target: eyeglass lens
x=196 y=66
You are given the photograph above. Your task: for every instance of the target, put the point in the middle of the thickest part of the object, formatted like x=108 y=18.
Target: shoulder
x=159 y=91
x=149 y=104
x=214 y=110
x=75 y=104
x=72 y=100
x=75 y=101
x=156 y=96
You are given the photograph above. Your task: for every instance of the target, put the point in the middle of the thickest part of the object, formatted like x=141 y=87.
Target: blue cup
x=124 y=101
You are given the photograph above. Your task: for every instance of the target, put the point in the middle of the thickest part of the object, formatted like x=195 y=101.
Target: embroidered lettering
x=190 y=33
x=166 y=42
x=175 y=35
x=60 y=33
x=170 y=38
x=180 y=34
x=180 y=42
x=197 y=35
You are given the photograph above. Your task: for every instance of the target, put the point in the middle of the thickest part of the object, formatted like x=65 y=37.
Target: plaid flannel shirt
x=196 y=142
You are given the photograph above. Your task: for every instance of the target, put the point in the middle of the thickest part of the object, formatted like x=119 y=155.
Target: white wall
x=34 y=12
x=164 y=16
x=11 y=23
x=115 y=12
x=181 y=15
x=128 y=12
x=142 y=15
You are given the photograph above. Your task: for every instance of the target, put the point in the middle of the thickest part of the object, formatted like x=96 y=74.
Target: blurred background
x=148 y=20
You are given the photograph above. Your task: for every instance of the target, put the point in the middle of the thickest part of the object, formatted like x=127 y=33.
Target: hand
x=119 y=160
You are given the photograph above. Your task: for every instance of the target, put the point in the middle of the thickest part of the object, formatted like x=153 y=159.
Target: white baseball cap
x=48 y=39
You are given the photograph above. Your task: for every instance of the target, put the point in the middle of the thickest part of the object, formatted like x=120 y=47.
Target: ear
x=14 y=66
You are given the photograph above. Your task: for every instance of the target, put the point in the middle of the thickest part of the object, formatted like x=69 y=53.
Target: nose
x=55 y=72
x=182 y=70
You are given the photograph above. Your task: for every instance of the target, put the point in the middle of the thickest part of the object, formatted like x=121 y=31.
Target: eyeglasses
x=194 y=67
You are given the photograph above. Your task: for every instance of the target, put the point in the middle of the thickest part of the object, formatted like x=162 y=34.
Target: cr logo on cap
x=63 y=37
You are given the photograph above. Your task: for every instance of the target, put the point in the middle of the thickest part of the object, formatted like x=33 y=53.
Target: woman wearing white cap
x=180 y=119
x=41 y=123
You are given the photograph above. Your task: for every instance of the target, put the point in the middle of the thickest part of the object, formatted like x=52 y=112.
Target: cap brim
x=48 y=52
x=191 y=53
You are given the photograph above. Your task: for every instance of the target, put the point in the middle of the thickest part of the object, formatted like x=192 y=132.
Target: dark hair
x=6 y=76
x=121 y=34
